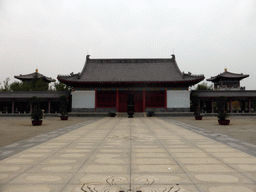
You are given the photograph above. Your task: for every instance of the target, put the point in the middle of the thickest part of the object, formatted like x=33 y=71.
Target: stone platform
x=129 y=154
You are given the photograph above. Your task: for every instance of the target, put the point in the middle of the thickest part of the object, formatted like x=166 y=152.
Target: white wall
x=83 y=99
x=178 y=99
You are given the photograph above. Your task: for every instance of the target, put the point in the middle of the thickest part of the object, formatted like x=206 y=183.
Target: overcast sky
x=56 y=35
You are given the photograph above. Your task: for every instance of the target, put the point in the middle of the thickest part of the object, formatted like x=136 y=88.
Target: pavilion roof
x=130 y=70
x=228 y=75
x=30 y=76
x=30 y=94
x=226 y=93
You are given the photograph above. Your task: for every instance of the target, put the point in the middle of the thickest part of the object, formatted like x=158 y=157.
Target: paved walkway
x=209 y=129
x=136 y=154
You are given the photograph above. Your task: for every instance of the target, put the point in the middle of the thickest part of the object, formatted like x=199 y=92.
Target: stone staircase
x=124 y=114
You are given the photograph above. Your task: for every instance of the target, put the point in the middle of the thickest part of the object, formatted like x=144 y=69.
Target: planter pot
x=64 y=118
x=37 y=122
x=150 y=114
x=224 y=122
x=198 y=117
x=112 y=114
x=130 y=114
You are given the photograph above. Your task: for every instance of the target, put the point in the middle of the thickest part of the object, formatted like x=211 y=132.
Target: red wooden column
x=117 y=100
x=165 y=100
x=31 y=107
x=144 y=99
x=212 y=102
x=49 y=106
x=13 y=105
x=250 y=105
x=230 y=106
x=96 y=100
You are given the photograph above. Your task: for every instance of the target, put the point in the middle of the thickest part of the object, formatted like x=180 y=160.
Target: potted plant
x=112 y=114
x=150 y=114
x=37 y=113
x=222 y=111
x=195 y=107
x=63 y=107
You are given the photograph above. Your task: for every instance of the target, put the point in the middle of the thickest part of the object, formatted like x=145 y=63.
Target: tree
x=61 y=87
x=38 y=84
x=15 y=86
x=204 y=86
x=20 y=86
x=6 y=85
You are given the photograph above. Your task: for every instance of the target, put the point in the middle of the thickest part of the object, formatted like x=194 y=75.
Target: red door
x=123 y=102
x=123 y=99
x=138 y=103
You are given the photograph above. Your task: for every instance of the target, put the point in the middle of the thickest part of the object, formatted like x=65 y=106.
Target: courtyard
x=128 y=154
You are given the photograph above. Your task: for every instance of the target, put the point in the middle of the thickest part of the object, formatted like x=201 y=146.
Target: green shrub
x=222 y=104
x=37 y=113
x=63 y=105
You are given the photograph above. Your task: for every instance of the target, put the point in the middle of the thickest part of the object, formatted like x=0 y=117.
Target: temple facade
x=109 y=85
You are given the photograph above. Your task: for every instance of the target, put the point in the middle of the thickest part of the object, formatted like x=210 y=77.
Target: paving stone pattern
x=129 y=154
x=14 y=148
x=235 y=143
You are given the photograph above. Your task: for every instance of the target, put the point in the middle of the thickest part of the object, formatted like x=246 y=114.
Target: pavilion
x=19 y=101
x=228 y=80
x=227 y=84
x=29 y=77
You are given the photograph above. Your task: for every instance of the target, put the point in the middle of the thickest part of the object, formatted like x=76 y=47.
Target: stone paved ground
x=241 y=127
x=240 y=134
x=20 y=134
x=14 y=129
x=136 y=154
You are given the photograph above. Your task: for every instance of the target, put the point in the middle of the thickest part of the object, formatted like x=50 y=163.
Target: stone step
x=124 y=114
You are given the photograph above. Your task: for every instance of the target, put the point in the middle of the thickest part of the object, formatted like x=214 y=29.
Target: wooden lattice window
x=106 y=99
x=155 y=99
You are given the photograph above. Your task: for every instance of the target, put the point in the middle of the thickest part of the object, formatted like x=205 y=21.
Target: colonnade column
x=96 y=104
x=13 y=105
x=31 y=107
x=49 y=106
x=165 y=99
x=250 y=105
x=212 y=104
x=144 y=99
x=230 y=106
x=117 y=100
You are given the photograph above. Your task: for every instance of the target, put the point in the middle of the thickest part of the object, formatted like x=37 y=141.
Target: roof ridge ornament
x=173 y=57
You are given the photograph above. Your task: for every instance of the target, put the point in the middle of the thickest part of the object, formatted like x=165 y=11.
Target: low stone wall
x=178 y=109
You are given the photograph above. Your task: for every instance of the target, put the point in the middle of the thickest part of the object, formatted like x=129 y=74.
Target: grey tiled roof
x=29 y=94
x=228 y=75
x=226 y=93
x=131 y=70
x=32 y=75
